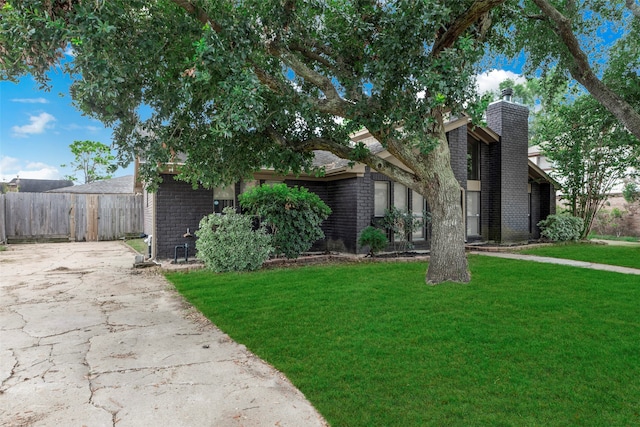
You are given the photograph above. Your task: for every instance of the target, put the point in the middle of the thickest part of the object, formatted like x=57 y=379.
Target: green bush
x=402 y=224
x=228 y=242
x=293 y=214
x=373 y=237
x=561 y=228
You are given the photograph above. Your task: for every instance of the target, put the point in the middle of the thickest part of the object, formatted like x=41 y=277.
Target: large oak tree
x=238 y=85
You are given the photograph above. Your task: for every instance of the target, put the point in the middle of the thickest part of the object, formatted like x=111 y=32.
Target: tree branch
x=198 y=13
x=581 y=70
x=333 y=104
x=345 y=152
x=633 y=7
x=477 y=10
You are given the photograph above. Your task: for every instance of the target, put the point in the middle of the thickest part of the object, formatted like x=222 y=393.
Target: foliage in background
x=540 y=94
x=94 y=159
x=590 y=152
x=402 y=223
x=293 y=214
x=374 y=238
x=631 y=191
x=594 y=42
x=228 y=242
x=561 y=228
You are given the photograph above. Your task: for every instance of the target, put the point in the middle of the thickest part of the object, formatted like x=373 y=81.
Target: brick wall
x=510 y=121
x=535 y=210
x=178 y=207
x=490 y=197
x=458 y=149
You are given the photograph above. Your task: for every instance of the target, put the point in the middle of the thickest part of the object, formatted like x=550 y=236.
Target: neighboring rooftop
x=121 y=185
x=26 y=185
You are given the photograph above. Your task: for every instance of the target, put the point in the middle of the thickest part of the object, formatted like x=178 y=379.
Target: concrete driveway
x=85 y=340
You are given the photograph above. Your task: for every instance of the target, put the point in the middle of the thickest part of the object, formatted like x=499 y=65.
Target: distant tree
x=590 y=152
x=597 y=43
x=539 y=94
x=94 y=159
x=631 y=191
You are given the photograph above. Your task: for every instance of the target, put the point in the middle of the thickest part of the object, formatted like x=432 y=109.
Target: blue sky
x=37 y=127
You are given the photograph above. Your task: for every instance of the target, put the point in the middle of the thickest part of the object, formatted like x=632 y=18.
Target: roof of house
x=26 y=185
x=121 y=185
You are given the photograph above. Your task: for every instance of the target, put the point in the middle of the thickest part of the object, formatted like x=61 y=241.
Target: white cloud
x=30 y=100
x=10 y=168
x=46 y=172
x=7 y=166
x=489 y=81
x=37 y=124
x=69 y=51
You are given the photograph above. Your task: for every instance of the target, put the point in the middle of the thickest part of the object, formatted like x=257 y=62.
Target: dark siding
x=490 y=222
x=344 y=219
x=535 y=210
x=179 y=207
x=510 y=121
x=458 y=148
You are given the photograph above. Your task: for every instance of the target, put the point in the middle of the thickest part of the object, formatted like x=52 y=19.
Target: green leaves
x=294 y=215
x=94 y=159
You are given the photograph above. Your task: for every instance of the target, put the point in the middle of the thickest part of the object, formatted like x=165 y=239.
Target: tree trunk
x=448 y=261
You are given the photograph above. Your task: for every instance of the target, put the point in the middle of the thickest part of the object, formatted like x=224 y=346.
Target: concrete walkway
x=561 y=261
x=85 y=340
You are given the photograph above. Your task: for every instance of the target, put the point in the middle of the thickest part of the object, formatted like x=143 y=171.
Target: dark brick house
x=503 y=194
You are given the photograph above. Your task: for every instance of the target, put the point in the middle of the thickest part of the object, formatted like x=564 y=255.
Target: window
x=381 y=198
x=473 y=213
x=418 y=208
x=223 y=197
x=473 y=160
x=400 y=197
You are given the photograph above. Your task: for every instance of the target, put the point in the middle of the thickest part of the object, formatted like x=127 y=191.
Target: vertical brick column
x=458 y=149
x=510 y=121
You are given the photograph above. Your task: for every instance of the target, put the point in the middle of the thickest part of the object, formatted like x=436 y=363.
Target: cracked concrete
x=86 y=340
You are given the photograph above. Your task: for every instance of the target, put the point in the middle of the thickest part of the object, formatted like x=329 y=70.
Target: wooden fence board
x=3 y=234
x=90 y=217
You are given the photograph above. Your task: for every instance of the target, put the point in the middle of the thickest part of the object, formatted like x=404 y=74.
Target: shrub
x=373 y=237
x=561 y=228
x=402 y=224
x=228 y=242
x=293 y=214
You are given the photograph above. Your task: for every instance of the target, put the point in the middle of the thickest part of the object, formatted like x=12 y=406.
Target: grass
x=620 y=238
x=138 y=245
x=625 y=256
x=371 y=345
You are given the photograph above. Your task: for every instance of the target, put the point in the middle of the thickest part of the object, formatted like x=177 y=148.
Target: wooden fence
x=77 y=217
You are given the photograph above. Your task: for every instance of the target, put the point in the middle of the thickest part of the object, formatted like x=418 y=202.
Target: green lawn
x=621 y=238
x=523 y=344
x=625 y=256
x=138 y=245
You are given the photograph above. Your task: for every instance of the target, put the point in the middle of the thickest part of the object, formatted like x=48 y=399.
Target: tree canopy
x=590 y=151
x=594 y=42
x=94 y=159
x=236 y=86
